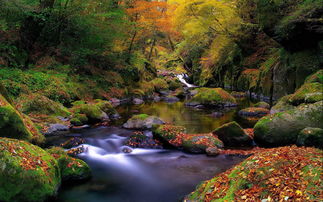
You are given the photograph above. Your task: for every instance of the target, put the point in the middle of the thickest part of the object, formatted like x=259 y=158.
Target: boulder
x=142 y=121
x=56 y=129
x=28 y=173
x=311 y=137
x=231 y=134
x=308 y=93
x=282 y=105
x=14 y=124
x=262 y=105
x=171 y=99
x=140 y=140
x=93 y=111
x=170 y=134
x=283 y=128
x=254 y=112
x=212 y=151
x=192 y=143
x=273 y=174
x=213 y=97
x=79 y=119
x=198 y=143
x=72 y=169
x=40 y=105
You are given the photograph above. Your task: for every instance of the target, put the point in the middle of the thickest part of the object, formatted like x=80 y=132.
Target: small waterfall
x=181 y=78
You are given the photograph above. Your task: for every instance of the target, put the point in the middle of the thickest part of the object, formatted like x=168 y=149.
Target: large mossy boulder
x=170 y=134
x=142 y=121
x=231 y=134
x=212 y=97
x=282 y=105
x=93 y=111
x=40 y=105
x=279 y=174
x=13 y=124
x=199 y=143
x=72 y=169
x=27 y=172
x=308 y=93
x=311 y=137
x=283 y=128
x=192 y=143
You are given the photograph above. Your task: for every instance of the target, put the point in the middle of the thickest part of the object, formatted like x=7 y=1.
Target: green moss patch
x=72 y=169
x=286 y=173
x=213 y=96
x=28 y=173
x=308 y=93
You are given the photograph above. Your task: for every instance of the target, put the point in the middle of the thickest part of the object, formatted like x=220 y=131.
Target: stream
x=147 y=175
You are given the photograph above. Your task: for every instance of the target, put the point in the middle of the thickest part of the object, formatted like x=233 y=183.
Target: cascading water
x=143 y=175
x=181 y=78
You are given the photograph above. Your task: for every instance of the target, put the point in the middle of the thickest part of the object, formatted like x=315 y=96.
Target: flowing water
x=147 y=175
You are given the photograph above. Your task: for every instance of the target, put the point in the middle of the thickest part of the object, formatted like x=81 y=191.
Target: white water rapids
x=181 y=78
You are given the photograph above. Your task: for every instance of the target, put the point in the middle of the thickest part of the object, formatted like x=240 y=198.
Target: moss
x=262 y=105
x=159 y=84
x=71 y=169
x=316 y=77
x=231 y=134
x=79 y=119
x=198 y=143
x=263 y=175
x=308 y=93
x=283 y=128
x=174 y=84
x=105 y=106
x=39 y=104
x=282 y=105
x=310 y=137
x=140 y=116
x=91 y=110
x=16 y=125
x=213 y=96
x=28 y=173
x=170 y=133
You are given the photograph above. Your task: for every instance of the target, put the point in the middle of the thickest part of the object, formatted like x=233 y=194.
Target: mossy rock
x=142 y=121
x=283 y=128
x=198 y=143
x=72 y=169
x=213 y=97
x=262 y=105
x=170 y=134
x=39 y=104
x=231 y=134
x=308 y=93
x=271 y=173
x=13 y=124
x=92 y=111
x=28 y=173
x=315 y=78
x=105 y=106
x=254 y=112
x=282 y=105
x=311 y=137
x=140 y=140
x=79 y=119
